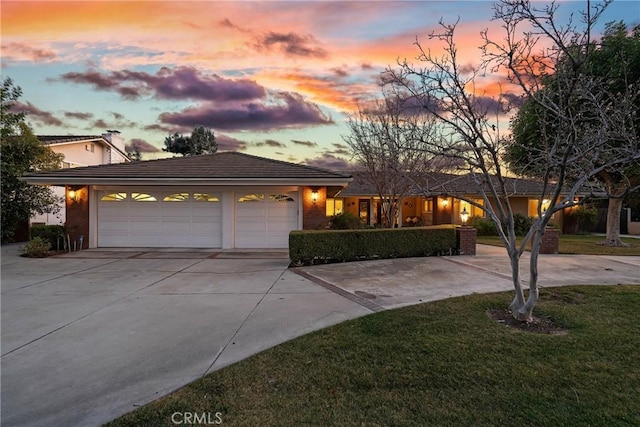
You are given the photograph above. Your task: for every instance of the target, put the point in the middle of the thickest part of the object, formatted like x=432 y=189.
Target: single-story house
x=224 y=200
x=436 y=199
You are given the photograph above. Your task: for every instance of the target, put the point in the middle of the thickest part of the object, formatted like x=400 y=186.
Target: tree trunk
x=613 y=222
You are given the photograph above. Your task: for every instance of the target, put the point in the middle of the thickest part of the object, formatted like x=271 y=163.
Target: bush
x=310 y=247
x=36 y=248
x=345 y=221
x=522 y=224
x=49 y=233
x=486 y=227
x=586 y=218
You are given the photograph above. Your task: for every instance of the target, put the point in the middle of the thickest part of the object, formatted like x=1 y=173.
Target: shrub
x=310 y=247
x=586 y=218
x=484 y=227
x=522 y=224
x=49 y=233
x=36 y=248
x=345 y=221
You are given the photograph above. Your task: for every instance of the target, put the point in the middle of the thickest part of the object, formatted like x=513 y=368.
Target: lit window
x=334 y=207
x=428 y=205
x=114 y=197
x=143 y=197
x=176 y=197
x=251 y=198
x=533 y=206
x=204 y=197
x=280 y=198
x=472 y=209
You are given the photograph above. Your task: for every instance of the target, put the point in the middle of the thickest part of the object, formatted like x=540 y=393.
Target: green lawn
x=578 y=244
x=437 y=364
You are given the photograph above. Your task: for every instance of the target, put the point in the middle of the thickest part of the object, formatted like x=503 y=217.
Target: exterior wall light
x=73 y=195
x=464 y=216
x=314 y=196
x=445 y=203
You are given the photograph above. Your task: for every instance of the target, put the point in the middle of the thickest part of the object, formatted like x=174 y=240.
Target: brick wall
x=78 y=214
x=314 y=214
x=550 y=241
x=466 y=237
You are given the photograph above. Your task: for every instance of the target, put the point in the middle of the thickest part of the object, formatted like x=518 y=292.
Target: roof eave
x=186 y=181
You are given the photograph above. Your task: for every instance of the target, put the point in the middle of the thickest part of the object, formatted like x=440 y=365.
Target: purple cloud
x=290 y=111
x=329 y=161
x=140 y=145
x=167 y=83
x=270 y=143
x=227 y=143
x=35 y=113
x=78 y=115
x=304 y=143
x=23 y=51
x=291 y=44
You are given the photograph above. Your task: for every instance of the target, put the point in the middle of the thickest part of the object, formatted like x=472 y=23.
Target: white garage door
x=264 y=219
x=159 y=218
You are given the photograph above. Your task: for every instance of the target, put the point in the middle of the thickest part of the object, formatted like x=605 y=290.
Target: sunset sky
x=270 y=78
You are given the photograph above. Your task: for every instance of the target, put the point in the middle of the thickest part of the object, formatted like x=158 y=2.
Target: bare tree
x=471 y=123
x=386 y=142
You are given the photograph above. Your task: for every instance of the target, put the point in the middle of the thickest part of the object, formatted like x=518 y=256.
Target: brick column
x=466 y=239
x=314 y=215
x=550 y=241
x=78 y=215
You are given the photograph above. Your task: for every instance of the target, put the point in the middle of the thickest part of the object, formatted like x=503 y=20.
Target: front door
x=363 y=210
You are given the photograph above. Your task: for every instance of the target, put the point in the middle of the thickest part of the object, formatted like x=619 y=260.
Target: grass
x=441 y=363
x=580 y=244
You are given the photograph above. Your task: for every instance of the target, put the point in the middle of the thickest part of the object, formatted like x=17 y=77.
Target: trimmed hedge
x=49 y=233
x=310 y=247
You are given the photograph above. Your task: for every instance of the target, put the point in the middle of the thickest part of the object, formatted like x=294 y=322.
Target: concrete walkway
x=91 y=335
x=394 y=283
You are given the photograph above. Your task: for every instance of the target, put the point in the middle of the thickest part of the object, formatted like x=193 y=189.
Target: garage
x=225 y=200
x=151 y=217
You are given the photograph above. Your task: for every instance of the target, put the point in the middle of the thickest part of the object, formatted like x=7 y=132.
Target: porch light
x=445 y=203
x=464 y=216
x=314 y=196
x=73 y=195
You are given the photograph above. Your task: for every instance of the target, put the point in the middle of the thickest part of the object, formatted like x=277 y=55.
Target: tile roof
x=434 y=184
x=224 y=166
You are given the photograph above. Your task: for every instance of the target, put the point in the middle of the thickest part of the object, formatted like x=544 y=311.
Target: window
x=143 y=197
x=471 y=209
x=280 y=198
x=533 y=206
x=204 y=197
x=93 y=147
x=427 y=205
x=251 y=198
x=335 y=206
x=114 y=197
x=176 y=197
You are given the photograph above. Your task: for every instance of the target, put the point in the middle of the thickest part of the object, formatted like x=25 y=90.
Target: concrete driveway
x=89 y=336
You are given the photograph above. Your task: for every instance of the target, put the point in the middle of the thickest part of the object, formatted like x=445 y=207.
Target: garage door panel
x=180 y=221
x=266 y=223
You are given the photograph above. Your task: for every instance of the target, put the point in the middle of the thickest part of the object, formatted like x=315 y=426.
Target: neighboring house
x=78 y=151
x=440 y=205
x=223 y=200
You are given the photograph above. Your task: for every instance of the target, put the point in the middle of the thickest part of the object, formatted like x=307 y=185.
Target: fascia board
x=184 y=181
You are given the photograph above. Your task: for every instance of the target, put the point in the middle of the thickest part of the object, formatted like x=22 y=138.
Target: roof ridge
x=289 y=163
